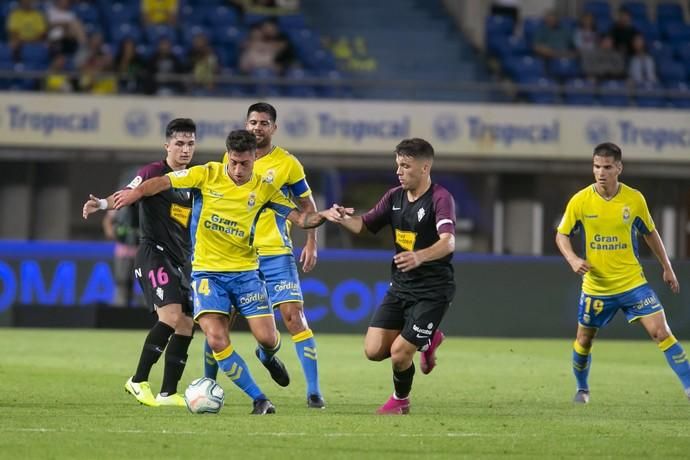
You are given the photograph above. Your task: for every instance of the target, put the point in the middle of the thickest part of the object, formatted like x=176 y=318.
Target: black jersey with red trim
x=416 y=225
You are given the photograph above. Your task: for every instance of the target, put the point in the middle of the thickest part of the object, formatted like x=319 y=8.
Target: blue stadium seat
x=545 y=92
x=676 y=32
x=506 y=47
x=5 y=53
x=564 y=68
x=292 y=21
x=250 y=19
x=222 y=16
x=638 y=10
x=682 y=52
x=619 y=96
x=35 y=55
x=680 y=97
x=649 y=30
x=647 y=95
x=671 y=72
x=529 y=27
x=523 y=67
x=579 y=91
x=295 y=75
x=660 y=51
x=122 y=13
x=87 y=13
x=669 y=12
x=119 y=32
x=337 y=90
x=598 y=9
x=156 y=33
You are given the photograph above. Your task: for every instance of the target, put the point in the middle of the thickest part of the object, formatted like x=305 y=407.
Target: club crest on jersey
x=252 y=199
x=626 y=213
x=269 y=176
x=420 y=214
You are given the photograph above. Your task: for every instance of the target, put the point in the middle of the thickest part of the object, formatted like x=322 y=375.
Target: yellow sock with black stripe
x=305 y=346
x=677 y=359
x=232 y=365
x=582 y=361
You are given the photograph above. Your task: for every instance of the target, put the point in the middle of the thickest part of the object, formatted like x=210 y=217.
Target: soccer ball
x=204 y=396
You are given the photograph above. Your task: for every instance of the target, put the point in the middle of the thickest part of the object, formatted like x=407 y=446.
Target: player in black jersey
x=421 y=215
x=163 y=267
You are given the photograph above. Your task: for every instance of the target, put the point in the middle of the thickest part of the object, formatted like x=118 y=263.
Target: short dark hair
x=415 y=148
x=180 y=125
x=263 y=107
x=608 y=149
x=240 y=140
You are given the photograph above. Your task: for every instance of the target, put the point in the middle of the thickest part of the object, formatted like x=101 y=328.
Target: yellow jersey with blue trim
x=610 y=230
x=224 y=216
x=286 y=173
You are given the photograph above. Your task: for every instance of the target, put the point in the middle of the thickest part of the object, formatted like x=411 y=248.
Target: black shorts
x=162 y=280
x=415 y=318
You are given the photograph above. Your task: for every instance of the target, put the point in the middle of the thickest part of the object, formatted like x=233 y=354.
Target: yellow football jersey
x=285 y=172
x=224 y=216
x=610 y=230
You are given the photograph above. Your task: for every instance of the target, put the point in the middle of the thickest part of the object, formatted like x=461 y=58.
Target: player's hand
x=406 y=261
x=125 y=197
x=579 y=266
x=91 y=206
x=671 y=280
x=337 y=213
x=308 y=256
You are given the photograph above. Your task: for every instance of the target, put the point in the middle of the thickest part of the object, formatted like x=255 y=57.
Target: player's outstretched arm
x=309 y=252
x=657 y=246
x=149 y=187
x=95 y=204
x=344 y=216
x=579 y=265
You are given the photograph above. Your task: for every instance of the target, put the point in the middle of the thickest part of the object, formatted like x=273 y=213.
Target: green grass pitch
x=63 y=398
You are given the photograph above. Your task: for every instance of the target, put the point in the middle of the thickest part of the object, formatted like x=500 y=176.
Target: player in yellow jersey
x=227 y=201
x=611 y=215
x=276 y=261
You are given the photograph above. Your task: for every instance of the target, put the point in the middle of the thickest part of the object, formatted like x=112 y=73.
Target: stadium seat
x=542 y=91
x=122 y=13
x=335 y=90
x=649 y=95
x=222 y=16
x=598 y=9
x=295 y=75
x=676 y=32
x=649 y=30
x=119 y=32
x=87 y=13
x=5 y=53
x=671 y=72
x=669 y=12
x=679 y=96
x=520 y=68
x=637 y=10
x=156 y=33
x=579 y=91
x=291 y=21
x=660 y=51
x=564 y=68
x=529 y=27
x=613 y=93
x=34 y=54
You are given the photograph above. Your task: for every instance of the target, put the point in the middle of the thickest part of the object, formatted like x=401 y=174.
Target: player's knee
x=217 y=342
x=660 y=334
x=268 y=339
x=375 y=353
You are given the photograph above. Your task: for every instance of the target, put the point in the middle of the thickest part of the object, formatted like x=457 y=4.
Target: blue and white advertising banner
x=355 y=127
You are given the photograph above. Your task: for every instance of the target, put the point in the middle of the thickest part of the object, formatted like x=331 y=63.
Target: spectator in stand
x=57 y=80
x=552 y=40
x=267 y=47
x=604 y=61
x=130 y=67
x=161 y=65
x=641 y=67
x=66 y=32
x=95 y=64
x=585 y=37
x=159 y=12
x=204 y=63
x=25 y=24
x=623 y=32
